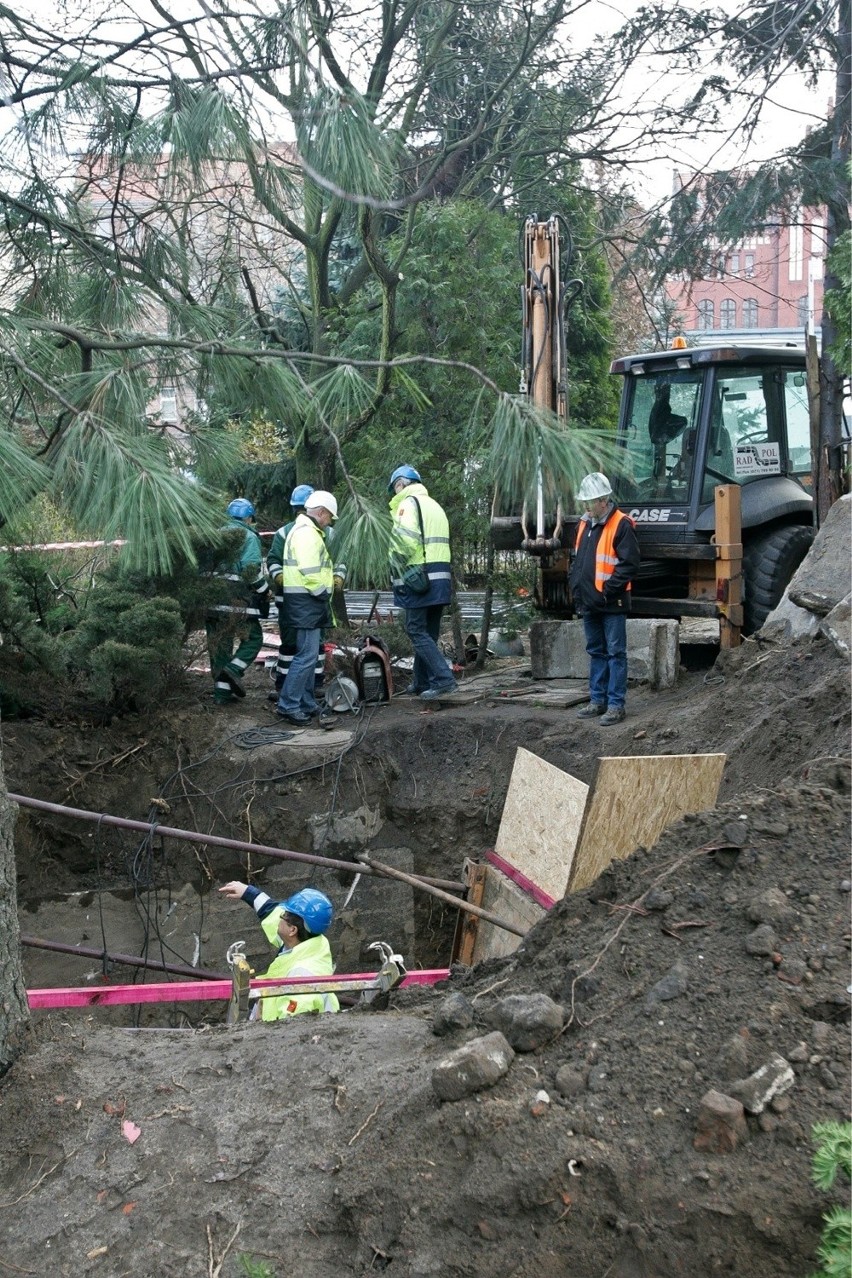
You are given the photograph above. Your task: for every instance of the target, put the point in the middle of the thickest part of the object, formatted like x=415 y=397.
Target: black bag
x=416 y=579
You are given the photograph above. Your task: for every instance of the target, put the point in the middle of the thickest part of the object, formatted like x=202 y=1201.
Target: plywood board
x=503 y=898
x=541 y=822
x=632 y=801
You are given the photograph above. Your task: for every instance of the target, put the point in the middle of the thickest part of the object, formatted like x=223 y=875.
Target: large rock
x=837 y=626
x=527 y=1020
x=789 y=622
x=480 y=1063
x=822 y=580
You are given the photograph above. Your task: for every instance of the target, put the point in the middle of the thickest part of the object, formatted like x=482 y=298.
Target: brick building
x=768 y=286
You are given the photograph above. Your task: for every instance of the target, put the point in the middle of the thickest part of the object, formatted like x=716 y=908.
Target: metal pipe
x=129 y=960
x=237 y=845
x=467 y=906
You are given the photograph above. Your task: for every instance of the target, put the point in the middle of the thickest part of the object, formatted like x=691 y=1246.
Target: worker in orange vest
x=606 y=559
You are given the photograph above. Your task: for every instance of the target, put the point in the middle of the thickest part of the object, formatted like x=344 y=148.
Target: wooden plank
x=468 y=925
x=541 y=822
x=503 y=897
x=634 y=799
x=729 y=563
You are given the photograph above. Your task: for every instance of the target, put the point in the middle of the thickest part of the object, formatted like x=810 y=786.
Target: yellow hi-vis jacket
x=308 y=958
x=420 y=535
x=307 y=576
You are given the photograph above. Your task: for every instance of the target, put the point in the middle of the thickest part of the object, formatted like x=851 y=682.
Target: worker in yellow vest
x=606 y=559
x=296 y=928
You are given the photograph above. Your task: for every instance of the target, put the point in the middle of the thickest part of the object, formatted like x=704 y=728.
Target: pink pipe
x=200 y=991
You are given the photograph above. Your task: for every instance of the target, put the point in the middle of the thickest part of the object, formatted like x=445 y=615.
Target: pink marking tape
x=192 y=991
x=526 y=885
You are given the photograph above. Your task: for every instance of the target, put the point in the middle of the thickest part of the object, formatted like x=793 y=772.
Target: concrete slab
x=558 y=651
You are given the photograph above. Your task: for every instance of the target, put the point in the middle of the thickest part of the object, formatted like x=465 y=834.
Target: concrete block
x=772 y=1079
x=558 y=651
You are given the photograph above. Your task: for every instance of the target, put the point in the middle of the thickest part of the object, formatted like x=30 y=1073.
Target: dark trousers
x=606 y=644
x=423 y=627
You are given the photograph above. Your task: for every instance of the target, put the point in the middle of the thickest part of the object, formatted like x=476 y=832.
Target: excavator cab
x=690 y=421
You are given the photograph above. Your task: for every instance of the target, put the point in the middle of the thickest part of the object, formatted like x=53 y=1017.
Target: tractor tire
x=769 y=563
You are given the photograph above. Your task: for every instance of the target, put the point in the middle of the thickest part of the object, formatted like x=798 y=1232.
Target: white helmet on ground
x=594 y=486
x=324 y=499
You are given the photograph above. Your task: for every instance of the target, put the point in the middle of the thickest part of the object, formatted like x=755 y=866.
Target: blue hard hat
x=239 y=508
x=300 y=494
x=313 y=908
x=403 y=472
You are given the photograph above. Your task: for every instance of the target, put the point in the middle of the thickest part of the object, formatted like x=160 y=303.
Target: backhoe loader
x=703 y=430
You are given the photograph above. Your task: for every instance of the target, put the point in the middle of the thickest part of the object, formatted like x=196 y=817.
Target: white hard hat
x=321 y=498
x=594 y=486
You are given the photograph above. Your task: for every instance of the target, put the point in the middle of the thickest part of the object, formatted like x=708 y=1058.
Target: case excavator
x=712 y=461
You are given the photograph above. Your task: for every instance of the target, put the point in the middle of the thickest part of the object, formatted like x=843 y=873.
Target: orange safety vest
x=605 y=556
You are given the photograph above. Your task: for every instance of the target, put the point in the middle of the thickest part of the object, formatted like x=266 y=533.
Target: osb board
x=505 y=899
x=632 y=801
x=541 y=822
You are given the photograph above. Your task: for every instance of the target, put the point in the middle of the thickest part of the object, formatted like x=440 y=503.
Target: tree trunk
x=829 y=471
x=14 y=1012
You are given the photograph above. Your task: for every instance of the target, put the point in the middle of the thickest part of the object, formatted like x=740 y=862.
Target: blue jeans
x=423 y=626
x=606 y=644
x=297 y=691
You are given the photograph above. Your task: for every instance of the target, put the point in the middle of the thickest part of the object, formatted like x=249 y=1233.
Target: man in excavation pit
x=295 y=928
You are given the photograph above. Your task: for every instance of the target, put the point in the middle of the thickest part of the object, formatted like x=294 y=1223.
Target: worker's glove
x=260 y=601
x=340 y=572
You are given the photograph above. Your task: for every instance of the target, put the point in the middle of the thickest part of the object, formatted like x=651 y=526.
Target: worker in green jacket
x=296 y=928
x=236 y=617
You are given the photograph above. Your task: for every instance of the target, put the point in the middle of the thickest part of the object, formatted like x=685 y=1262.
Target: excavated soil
x=319 y=1146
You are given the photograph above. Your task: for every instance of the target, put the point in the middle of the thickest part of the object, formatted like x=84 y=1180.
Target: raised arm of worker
x=268 y=911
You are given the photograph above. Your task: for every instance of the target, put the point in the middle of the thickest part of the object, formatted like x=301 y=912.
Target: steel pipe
x=215 y=840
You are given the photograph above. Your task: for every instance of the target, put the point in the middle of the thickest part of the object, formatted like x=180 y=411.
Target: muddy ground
x=319 y=1146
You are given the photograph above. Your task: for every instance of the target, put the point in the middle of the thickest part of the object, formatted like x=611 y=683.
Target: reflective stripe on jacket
x=307 y=576
x=606 y=559
x=408 y=546
x=275 y=558
x=245 y=571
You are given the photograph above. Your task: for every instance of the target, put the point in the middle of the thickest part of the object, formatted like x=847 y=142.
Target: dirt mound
x=320 y=1146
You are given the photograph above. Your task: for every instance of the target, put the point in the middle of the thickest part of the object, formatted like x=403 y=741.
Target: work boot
x=234 y=680
x=298 y=720
x=591 y=711
x=439 y=694
x=615 y=715
x=411 y=691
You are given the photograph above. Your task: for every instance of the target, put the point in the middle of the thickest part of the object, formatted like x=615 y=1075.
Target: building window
x=706 y=317
x=727 y=313
x=749 y=265
x=750 y=312
x=735 y=263
x=168 y=405
x=802 y=311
